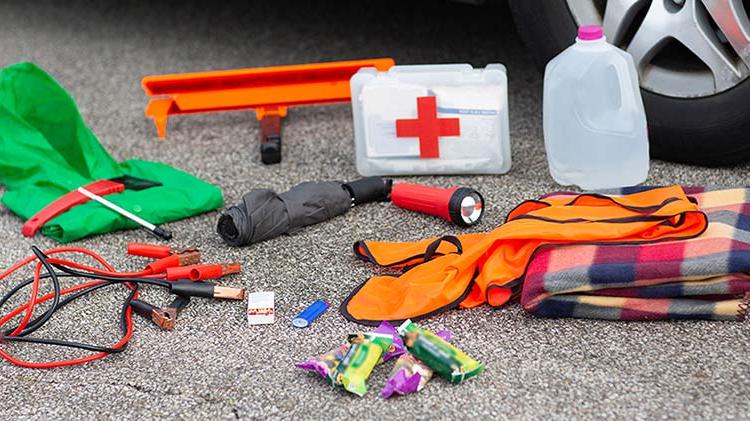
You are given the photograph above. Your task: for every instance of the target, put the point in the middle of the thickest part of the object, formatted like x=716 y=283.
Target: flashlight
x=461 y=205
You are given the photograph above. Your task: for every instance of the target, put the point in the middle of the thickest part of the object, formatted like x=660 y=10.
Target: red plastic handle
x=201 y=272
x=423 y=199
x=149 y=250
x=67 y=201
x=159 y=266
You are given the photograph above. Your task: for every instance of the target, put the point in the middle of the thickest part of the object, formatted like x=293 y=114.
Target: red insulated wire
x=58 y=250
x=18 y=310
x=31 y=303
x=37 y=274
x=64 y=363
x=28 y=307
x=141 y=274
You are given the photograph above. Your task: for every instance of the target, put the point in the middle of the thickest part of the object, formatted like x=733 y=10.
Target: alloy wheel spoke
x=650 y=37
x=701 y=39
x=732 y=19
x=618 y=16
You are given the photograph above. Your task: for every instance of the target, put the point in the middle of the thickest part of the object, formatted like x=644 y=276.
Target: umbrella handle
x=369 y=189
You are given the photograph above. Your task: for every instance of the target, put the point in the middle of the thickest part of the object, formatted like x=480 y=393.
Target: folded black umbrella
x=264 y=214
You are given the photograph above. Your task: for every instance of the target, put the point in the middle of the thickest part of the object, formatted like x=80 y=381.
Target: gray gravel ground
x=215 y=366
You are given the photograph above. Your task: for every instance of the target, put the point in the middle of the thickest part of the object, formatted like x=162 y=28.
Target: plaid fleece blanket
x=702 y=278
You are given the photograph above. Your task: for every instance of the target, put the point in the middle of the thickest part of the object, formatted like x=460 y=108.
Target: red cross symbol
x=427 y=127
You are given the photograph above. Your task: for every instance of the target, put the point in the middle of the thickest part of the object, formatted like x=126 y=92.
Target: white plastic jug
x=594 y=123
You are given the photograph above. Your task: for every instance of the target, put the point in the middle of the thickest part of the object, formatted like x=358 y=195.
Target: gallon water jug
x=594 y=122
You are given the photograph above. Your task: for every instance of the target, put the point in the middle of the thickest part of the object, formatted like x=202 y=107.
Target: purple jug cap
x=590 y=32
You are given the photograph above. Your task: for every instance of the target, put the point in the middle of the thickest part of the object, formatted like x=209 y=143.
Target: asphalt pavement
x=213 y=365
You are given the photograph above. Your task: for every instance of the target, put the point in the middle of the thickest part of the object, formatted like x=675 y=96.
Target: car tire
x=710 y=131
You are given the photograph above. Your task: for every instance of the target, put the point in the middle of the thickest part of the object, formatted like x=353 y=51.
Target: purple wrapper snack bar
x=397 y=348
x=409 y=375
x=402 y=384
x=325 y=364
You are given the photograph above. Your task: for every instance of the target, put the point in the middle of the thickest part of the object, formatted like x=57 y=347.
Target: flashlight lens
x=471 y=208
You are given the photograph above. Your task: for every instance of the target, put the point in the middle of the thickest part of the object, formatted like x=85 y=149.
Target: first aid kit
x=431 y=119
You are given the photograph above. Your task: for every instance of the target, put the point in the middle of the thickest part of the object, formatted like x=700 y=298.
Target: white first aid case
x=431 y=119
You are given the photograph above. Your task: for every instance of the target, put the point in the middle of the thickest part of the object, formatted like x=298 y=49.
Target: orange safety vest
x=472 y=269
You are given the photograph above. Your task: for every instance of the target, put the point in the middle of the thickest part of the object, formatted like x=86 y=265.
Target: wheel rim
x=682 y=48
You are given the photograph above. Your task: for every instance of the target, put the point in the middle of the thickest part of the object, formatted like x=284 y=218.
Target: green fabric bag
x=46 y=150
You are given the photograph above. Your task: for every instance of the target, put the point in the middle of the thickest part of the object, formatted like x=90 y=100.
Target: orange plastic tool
x=267 y=90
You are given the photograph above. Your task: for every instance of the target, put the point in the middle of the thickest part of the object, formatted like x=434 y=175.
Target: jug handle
x=627 y=94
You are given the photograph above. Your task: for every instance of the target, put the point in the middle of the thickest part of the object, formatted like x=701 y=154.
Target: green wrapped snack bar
x=444 y=359
x=364 y=354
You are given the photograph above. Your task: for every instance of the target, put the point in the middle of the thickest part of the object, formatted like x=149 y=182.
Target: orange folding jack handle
x=270 y=91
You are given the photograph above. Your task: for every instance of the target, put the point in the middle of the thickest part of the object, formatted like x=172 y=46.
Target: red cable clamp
x=155 y=251
x=201 y=272
x=175 y=260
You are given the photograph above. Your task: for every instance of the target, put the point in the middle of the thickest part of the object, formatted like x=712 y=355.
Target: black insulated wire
x=116 y=279
x=80 y=345
x=17 y=288
x=56 y=286
x=57 y=303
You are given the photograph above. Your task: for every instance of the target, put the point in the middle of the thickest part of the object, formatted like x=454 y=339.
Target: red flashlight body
x=430 y=200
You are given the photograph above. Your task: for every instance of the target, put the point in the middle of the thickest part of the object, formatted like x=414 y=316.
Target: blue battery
x=311 y=313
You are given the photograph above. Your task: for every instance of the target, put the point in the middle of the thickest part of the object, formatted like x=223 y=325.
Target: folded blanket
x=472 y=269
x=699 y=278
